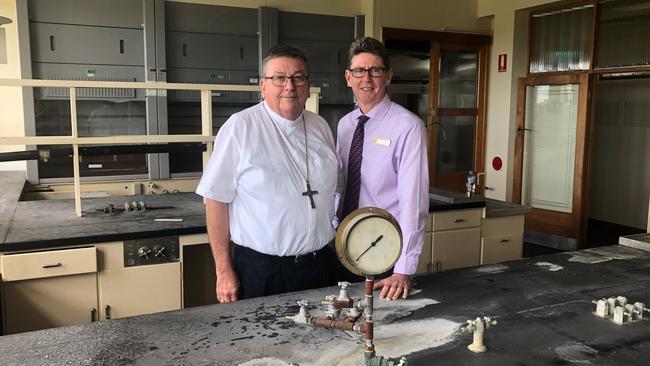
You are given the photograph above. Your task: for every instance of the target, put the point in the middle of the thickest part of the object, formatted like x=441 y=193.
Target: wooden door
x=139 y=290
x=551 y=153
x=50 y=302
x=458 y=91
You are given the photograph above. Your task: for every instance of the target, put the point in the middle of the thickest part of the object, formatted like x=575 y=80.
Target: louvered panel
x=92 y=92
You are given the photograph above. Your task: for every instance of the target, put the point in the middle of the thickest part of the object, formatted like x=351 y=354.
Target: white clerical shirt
x=250 y=169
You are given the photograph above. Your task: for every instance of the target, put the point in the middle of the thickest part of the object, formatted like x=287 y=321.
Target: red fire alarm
x=502 y=65
x=497 y=163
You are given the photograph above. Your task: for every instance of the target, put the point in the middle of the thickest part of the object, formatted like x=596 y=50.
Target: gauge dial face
x=369 y=241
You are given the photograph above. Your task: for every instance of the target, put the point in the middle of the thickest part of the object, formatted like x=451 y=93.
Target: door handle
x=93 y=314
x=107 y=312
x=522 y=129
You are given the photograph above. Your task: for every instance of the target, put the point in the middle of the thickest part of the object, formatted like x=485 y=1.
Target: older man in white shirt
x=269 y=188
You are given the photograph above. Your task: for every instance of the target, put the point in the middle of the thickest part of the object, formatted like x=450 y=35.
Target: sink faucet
x=470 y=183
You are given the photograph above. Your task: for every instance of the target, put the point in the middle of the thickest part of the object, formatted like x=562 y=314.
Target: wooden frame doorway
x=464 y=138
x=570 y=220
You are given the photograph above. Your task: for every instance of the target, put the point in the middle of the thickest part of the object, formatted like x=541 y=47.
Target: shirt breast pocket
x=324 y=174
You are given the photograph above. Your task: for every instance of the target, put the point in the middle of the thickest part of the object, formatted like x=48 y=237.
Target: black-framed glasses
x=375 y=72
x=281 y=80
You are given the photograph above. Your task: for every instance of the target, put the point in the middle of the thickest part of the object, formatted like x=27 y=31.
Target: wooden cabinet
x=455 y=248
x=139 y=290
x=502 y=239
x=54 y=288
x=424 y=264
x=49 y=289
x=452 y=240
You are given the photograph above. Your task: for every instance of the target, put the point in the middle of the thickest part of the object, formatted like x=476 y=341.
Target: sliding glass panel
x=624 y=33
x=549 y=147
x=455 y=144
x=94 y=118
x=184 y=118
x=457 y=79
x=561 y=40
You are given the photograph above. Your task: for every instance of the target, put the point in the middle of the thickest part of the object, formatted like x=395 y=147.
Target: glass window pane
x=457 y=79
x=623 y=33
x=455 y=144
x=94 y=118
x=561 y=40
x=549 y=149
x=184 y=118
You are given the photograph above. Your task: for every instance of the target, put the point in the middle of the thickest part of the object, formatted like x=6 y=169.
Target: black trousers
x=262 y=274
x=342 y=274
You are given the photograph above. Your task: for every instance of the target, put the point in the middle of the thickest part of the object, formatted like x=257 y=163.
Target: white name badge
x=381 y=141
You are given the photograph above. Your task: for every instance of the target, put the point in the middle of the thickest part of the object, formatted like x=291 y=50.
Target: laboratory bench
x=113 y=263
x=542 y=307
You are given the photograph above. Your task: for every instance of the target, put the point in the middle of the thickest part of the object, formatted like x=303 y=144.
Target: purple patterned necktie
x=353 y=184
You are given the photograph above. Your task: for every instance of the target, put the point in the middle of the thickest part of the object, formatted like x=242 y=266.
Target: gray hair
x=285 y=51
x=368 y=45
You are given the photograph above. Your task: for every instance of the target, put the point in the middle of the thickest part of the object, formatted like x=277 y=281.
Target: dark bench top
x=542 y=305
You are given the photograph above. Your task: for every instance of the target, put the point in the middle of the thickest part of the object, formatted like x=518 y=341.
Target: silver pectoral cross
x=311 y=194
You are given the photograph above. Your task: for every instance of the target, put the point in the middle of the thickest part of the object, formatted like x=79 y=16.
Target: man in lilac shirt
x=394 y=166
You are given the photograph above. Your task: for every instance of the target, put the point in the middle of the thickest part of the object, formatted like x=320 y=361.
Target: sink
x=453 y=197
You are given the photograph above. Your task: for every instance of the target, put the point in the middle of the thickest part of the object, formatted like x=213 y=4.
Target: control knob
x=144 y=252
x=159 y=250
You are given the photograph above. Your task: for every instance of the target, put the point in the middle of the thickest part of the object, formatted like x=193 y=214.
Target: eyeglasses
x=281 y=80
x=375 y=72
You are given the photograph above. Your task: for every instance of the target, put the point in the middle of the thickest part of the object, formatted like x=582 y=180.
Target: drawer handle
x=459 y=220
x=52 y=265
x=504 y=240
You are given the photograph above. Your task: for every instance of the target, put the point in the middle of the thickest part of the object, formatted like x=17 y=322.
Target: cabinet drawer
x=505 y=248
x=456 y=248
x=503 y=226
x=456 y=219
x=25 y=266
x=424 y=263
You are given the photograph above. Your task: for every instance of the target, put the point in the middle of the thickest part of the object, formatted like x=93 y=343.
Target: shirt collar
x=278 y=118
x=377 y=112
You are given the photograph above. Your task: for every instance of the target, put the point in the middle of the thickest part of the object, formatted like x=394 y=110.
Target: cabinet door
x=62 y=43
x=49 y=302
x=424 y=263
x=139 y=290
x=456 y=248
x=499 y=249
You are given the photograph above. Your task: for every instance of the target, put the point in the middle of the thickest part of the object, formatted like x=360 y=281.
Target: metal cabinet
x=326 y=44
x=211 y=51
x=49 y=289
x=114 y=13
x=76 y=44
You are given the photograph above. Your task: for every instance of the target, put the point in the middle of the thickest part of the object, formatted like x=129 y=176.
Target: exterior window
x=561 y=40
x=623 y=33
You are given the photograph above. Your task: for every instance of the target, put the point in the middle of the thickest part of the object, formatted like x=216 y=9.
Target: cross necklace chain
x=309 y=192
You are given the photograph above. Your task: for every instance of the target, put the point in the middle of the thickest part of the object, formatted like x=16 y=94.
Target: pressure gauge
x=369 y=241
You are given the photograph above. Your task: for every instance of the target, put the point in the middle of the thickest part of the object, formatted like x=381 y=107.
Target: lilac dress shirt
x=394 y=171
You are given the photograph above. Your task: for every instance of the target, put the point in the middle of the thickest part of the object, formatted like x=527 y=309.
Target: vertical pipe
x=369 y=284
x=206 y=123
x=75 y=151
